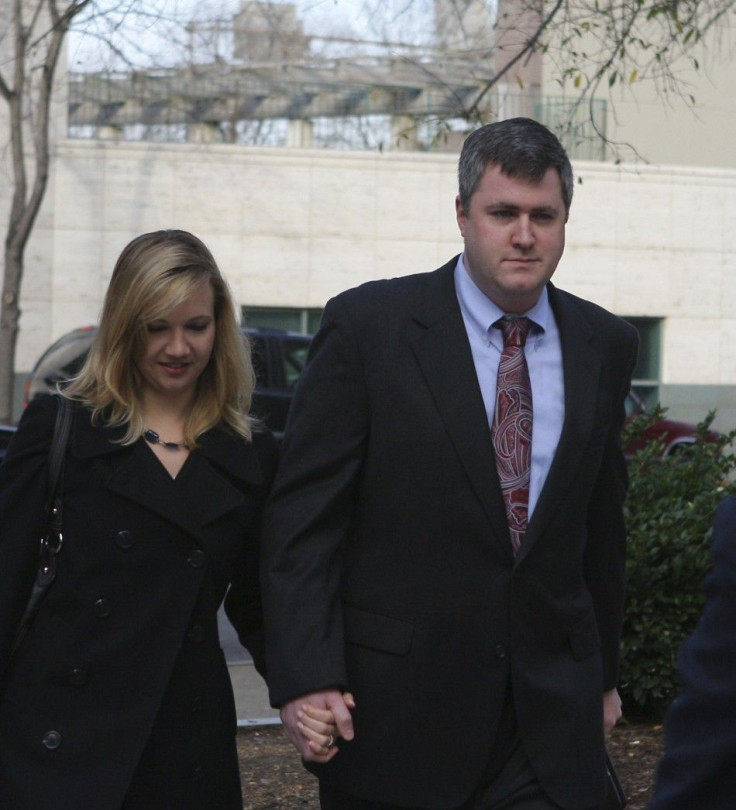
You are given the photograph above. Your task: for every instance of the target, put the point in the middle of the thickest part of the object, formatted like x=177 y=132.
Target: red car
x=675 y=434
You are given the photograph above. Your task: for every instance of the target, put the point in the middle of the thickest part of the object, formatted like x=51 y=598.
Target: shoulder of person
x=602 y=320
x=398 y=291
x=36 y=423
x=253 y=460
x=28 y=450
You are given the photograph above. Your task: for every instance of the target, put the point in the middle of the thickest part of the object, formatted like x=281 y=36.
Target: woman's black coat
x=120 y=695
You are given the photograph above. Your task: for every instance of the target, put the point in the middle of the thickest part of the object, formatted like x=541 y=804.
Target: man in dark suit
x=698 y=770
x=473 y=610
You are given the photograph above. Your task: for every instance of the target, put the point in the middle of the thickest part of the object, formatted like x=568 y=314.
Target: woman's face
x=178 y=346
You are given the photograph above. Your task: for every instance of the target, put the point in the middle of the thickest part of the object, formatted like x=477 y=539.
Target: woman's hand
x=318 y=726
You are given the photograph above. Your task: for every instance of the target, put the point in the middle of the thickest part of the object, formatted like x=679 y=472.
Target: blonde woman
x=120 y=695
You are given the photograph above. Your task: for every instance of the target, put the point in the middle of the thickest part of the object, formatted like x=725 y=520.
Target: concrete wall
x=692 y=125
x=293 y=227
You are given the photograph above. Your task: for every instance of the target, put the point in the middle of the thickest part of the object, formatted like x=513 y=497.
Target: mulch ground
x=273 y=778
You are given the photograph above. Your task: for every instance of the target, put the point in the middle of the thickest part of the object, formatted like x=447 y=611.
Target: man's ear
x=460 y=214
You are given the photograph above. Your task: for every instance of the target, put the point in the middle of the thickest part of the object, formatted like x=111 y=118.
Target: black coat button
x=198 y=774
x=500 y=651
x=51 y=740
x=124 y=539
x=102 y=608
x=196 y=633
x=197 y=558
x=197 y=703
x=78 y=676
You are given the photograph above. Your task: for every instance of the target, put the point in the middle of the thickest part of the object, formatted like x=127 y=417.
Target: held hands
x=611 y=710
x=313 y=723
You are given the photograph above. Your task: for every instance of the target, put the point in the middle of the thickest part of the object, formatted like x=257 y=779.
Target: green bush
x=669 y=512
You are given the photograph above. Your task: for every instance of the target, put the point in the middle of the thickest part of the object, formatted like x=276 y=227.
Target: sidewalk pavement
x=251 y=696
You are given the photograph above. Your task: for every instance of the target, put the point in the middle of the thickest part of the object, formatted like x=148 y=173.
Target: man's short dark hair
x=521 y=147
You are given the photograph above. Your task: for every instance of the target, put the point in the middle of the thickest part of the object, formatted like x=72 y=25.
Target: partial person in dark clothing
x=698 y=769
x=120 y=696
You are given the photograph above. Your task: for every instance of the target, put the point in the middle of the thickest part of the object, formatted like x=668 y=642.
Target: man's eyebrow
x=508 y=206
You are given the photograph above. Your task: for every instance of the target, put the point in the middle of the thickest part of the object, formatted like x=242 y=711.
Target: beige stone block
x=344 y=205
x=727 y=365
x=644 y=219
x=39 y=264
x=273 y=271
x=695 y=284
x=588 y=273
x=698 y=215
x=139 y=191
x=691 y=351
x=642 y=284
x=275 y=202
x=336 y=265
x=405 y=258
x=408 y=205
x=79 y=189
x=728 y=285
x=78 y=269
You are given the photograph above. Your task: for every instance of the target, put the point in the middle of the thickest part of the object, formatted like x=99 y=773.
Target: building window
x=646 y=380
x=291 y=319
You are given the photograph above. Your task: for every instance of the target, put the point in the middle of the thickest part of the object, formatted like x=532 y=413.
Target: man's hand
x=611 y=710
x=296 y=714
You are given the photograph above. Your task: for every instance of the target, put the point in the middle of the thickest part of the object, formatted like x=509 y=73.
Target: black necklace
x=153 y=438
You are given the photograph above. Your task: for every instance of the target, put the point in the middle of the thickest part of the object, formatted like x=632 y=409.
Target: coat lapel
x=441 y=348
x=215 y=473
x=581 y=365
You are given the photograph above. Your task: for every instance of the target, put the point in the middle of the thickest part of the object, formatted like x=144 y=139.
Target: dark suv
x=278 y=358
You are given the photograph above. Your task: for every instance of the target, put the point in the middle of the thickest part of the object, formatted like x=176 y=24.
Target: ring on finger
x=330 y=742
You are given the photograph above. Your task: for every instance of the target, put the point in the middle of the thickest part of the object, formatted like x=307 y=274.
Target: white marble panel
x=727 y=366
x=336 y=265
x=691 y=351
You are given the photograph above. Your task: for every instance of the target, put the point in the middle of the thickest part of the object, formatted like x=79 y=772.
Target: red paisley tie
x=512 y=425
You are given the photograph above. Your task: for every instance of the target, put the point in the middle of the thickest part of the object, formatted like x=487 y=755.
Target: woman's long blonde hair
x=155 y=273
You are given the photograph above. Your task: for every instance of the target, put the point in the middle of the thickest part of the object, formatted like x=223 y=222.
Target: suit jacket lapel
x=581 y=369
x=442 y=350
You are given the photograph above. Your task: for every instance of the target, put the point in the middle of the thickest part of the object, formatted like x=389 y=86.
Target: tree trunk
x=28 y=96
x=9 y=317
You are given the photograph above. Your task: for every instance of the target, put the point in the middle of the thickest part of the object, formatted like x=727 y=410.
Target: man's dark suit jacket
x=698 y=770
x=387 y=562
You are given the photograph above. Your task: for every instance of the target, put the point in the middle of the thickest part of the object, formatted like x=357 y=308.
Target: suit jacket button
x=124 y=539
x=198 y=774
x=102 y=608
x=197 y=704
x=51 y=740
x=197 y=558
x=78 y=677
x=500 y=651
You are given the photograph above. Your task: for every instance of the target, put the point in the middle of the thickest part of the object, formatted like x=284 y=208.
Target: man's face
x=514 y=234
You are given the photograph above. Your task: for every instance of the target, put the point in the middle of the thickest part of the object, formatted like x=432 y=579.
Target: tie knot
x=515 y=330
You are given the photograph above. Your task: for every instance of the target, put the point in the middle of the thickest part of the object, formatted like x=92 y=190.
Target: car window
x=633 y=405
x=295 y=356
x=258 y=356
x=65 y=360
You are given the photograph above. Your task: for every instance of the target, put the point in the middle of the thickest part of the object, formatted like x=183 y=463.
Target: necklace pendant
x=153 y=438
